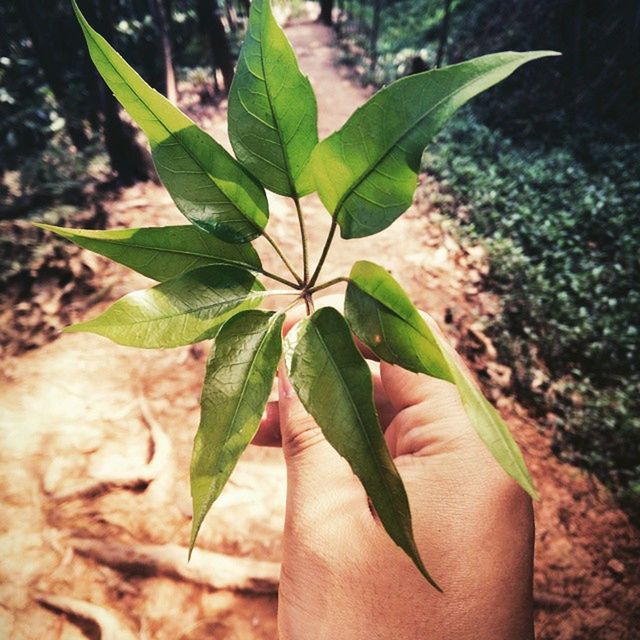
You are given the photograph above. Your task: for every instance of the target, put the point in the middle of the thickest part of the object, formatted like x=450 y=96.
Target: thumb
x=299 y=431
x=311 y=460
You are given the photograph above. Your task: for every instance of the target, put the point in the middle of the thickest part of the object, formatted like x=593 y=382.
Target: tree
x=161 y=18
x=375 y=30
x=212 y=30
x=45 y=48
x=127 y=158
x=326 y=12
x=231 y=15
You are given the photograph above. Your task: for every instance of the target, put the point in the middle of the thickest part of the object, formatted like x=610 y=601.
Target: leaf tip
x=417 y=560
x=73 y=328
x=61 y=231
x=543 y=53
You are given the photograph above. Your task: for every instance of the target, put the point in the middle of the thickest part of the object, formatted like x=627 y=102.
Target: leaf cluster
x=210 y=278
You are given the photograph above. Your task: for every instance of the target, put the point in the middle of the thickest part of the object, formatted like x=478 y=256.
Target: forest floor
x=95 y=442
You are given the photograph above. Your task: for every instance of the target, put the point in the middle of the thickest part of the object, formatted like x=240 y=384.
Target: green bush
x=562 y=225
x=555 y=192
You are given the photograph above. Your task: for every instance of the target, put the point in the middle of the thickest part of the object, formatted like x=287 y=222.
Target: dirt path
x=81 y=405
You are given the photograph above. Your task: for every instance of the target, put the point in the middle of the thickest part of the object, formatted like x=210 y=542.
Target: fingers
x=310 y=459
x=298 y=429
x=430 y=416
x=268 y=434
x=405 y=388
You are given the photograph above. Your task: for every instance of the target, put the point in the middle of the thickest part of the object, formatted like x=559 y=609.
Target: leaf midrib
x=165 y=127
x=353 y=406
x=267 y=334
x=249 y=296
x=369 y=170
x=134 y=245
x=416 y=323
x=285 y=158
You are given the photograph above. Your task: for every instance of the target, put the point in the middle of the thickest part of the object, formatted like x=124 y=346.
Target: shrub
x=564 y=241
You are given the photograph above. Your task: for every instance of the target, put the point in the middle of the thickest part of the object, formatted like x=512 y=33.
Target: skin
x=342 y=577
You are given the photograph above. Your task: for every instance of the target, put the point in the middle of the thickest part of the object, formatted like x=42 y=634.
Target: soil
x=80 y=405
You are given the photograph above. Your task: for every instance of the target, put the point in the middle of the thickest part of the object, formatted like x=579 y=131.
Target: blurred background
x=528 y=217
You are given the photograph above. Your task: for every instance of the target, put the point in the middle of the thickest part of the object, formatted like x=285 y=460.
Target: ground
x=78 y=416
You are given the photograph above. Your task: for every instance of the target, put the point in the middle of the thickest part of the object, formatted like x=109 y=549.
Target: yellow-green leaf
x=236 y=388
x=380 y=313
x=207 y=184
x=177 y=312
x=161 y=253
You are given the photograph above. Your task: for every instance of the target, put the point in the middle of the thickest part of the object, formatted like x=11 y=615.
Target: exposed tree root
x=159 y=461
x=214 y=570
x=105 y=622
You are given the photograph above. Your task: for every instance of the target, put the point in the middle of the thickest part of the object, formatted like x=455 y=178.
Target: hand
x=342 y=576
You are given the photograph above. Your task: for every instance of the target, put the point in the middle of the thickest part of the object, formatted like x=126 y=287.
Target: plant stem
x=325 y=251
x=303 y=234
x=326 y=285
x=280 y=292
x=280 y=279
x=287 y=264
x=308 y=301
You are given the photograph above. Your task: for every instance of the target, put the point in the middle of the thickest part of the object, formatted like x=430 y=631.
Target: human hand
x=342 y=577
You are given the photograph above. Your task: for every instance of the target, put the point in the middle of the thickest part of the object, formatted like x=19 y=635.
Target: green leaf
x=207 y=184
x=334 y=384
x=487 y=422
x=236 y=388
x=380 y=313
x=161 y=253
x=366 y=172
x=272 y=108
x=383 y=317
x=177 y=312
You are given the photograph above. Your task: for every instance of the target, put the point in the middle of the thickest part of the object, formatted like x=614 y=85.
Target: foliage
x=376 y=177
x=597 y=77
x=219 y=196
x=553 y=185
x=55 y=108
x=564 y=239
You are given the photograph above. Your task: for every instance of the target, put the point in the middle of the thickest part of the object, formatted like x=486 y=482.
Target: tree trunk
x=361 y=17
x=220 y=47
x=326 y=12
x=127 y=158
x=160 y=17
x=212 y=30
x=45 y=47
x=444 y=34
x=375 y=30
